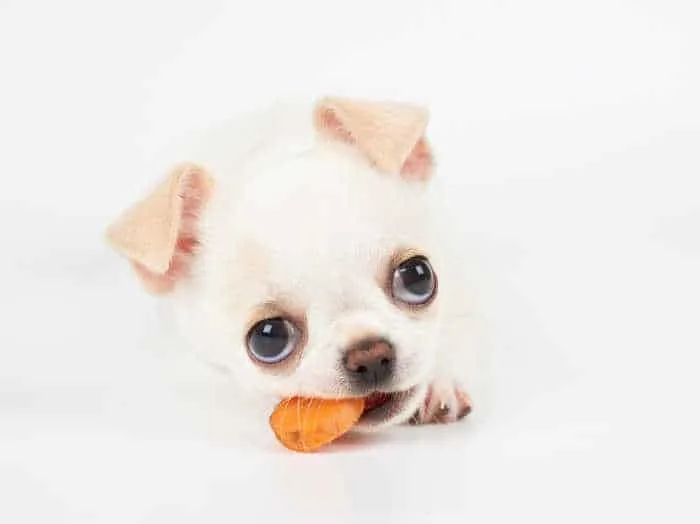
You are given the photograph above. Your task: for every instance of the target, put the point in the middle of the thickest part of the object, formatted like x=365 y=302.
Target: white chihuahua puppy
x=304 y=254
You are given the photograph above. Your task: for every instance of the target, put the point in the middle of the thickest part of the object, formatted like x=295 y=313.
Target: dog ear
x=159 y=234
x=388 y=134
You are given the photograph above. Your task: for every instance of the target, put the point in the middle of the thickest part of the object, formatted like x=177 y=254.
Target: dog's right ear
x=159 y=235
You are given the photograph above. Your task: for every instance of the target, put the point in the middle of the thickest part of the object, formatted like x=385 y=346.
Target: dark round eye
x=414 y=281
x=272 y=340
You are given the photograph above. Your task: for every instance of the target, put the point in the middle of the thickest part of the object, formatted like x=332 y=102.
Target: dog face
x=310 y=267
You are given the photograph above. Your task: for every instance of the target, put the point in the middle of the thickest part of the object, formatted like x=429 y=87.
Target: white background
x=568 y=134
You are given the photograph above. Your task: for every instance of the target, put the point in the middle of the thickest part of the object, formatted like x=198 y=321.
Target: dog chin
x=391 y=408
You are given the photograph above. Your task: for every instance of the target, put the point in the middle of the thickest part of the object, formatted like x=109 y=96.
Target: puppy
x=302 y=252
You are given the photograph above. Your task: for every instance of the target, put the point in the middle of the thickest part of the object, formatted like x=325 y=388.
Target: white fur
x=295 y=216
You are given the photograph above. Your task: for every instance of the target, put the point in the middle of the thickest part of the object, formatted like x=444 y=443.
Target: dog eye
x=272 y=340
x=414 y=281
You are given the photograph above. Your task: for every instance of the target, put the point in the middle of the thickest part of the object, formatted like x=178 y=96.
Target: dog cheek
x=417 y=353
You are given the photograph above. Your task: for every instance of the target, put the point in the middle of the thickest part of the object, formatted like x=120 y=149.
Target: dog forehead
x=329 y=202
x=320 y=220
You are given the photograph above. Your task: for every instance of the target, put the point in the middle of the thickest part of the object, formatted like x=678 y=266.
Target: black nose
x=370 y=362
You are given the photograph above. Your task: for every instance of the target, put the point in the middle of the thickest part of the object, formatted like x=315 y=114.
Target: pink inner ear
x=329 y=121
x=419 y=164
x=193 y=193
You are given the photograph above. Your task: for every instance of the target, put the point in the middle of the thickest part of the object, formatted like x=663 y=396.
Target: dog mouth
x=380 y=407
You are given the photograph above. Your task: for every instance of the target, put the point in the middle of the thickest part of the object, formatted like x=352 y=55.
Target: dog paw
x=445 y=402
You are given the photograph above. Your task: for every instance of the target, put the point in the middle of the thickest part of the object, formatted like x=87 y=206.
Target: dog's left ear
x=159 y=235
x=390 y=135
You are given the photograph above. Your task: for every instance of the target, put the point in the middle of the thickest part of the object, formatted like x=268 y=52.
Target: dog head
x=306 y=262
